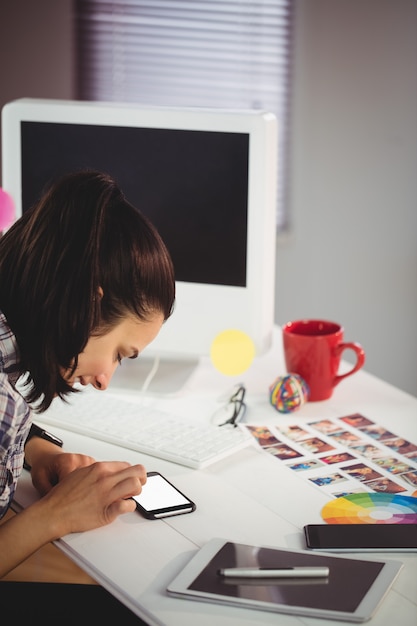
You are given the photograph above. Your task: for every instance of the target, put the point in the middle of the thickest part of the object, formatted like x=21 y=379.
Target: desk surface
x=250 y=497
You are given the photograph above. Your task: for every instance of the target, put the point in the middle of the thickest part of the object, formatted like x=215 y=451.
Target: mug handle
x=360 y=359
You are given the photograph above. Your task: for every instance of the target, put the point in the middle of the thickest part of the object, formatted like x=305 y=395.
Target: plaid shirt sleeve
x=15 y=421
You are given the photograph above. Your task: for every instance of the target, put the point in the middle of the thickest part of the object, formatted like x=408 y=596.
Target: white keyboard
x=145 y=429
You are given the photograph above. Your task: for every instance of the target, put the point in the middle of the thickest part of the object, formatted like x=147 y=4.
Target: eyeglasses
x=232 y=412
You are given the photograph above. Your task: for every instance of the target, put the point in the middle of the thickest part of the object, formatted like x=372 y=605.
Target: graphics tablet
x=352 y=591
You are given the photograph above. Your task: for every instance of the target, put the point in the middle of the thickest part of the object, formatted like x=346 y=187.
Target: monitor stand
x=169 y=378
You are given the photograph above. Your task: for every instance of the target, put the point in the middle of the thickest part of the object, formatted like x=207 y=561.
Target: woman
x=85 y=281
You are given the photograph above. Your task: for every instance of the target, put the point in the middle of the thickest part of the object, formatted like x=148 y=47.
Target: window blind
x=208 y=53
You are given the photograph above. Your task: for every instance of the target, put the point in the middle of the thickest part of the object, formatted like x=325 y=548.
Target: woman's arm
x=87 y=498
x=21 y=536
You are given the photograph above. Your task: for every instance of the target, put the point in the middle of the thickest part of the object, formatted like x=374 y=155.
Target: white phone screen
x=157 y=493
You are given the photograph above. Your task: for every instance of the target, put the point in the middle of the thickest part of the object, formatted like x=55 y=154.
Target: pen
x=271 y=572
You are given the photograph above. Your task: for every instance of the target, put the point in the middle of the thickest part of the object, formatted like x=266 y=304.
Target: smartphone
x=159 y=498
x=361 y=537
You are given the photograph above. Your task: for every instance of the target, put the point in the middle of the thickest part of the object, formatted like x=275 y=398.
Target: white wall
x=352 y=252
x=351 y=255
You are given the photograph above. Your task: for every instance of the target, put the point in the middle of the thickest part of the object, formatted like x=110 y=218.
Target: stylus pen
x=271 y=572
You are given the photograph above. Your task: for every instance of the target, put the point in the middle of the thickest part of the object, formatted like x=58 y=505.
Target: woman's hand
x=49 y=464
x=83 y=494
x=86 y=498
x=94 y=496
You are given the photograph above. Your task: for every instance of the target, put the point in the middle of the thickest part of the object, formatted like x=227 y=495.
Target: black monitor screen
x=193 y=185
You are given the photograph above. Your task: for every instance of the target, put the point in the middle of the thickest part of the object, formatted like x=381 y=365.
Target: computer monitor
x=205 y=177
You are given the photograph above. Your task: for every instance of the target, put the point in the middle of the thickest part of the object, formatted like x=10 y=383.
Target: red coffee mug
x=313 y=349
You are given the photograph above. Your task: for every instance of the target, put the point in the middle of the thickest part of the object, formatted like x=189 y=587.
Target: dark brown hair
x=82 y=236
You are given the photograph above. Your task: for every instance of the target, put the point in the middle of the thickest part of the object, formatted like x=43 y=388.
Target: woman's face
x=102 y=354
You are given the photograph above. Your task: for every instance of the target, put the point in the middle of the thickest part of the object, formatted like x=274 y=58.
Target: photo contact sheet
x=344 y=455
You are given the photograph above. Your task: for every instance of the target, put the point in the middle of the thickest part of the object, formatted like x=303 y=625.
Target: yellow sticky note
x=232 y=352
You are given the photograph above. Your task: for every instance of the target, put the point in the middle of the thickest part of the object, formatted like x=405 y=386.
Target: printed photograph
x=263 y=435
x=315 y=445
x=323 y=481
x=362 y=472
x=283 y=451
x=345 y=437
x=385 y=485
x=356 y=420
x=368 y=450
x=401 y=446
x=294 y=432
x=306 y=465
x=377 y=432
x=325 y=426
x=339 y=457
x=394 y=466
x=410 y=478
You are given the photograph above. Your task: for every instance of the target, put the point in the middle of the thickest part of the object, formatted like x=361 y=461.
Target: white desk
x=249 y=497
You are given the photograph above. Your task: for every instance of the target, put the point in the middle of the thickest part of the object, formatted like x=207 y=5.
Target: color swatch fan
x=371 y=508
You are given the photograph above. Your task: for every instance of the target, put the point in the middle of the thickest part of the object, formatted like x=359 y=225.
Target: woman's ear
x=100 y=293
